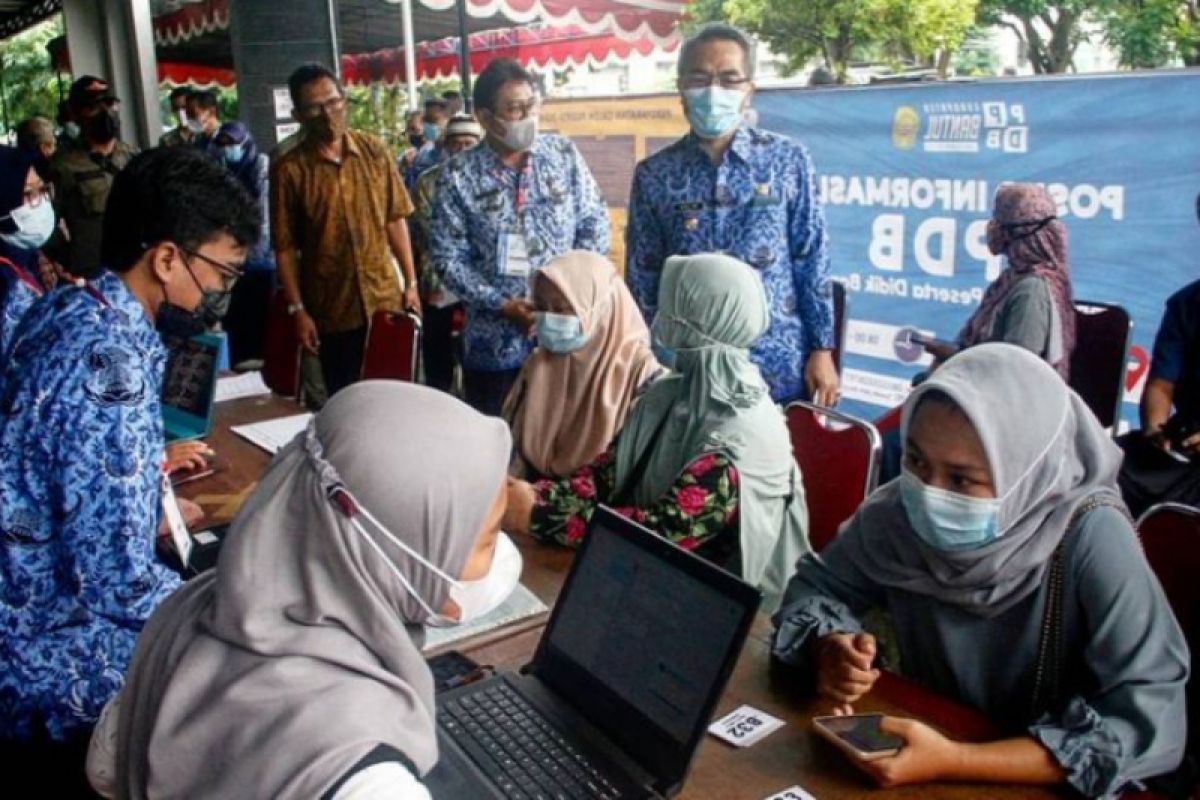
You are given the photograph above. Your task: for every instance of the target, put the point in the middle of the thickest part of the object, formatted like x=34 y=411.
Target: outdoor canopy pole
x=464 y=57
x=410 y=54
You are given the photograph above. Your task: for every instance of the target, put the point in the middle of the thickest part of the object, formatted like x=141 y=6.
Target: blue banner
x=907 y=175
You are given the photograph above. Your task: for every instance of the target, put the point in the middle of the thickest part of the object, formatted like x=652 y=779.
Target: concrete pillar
x=270 y=39
x=114 y=40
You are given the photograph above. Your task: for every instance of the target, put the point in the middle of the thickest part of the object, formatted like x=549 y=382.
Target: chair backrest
x=839 y=460
x=393 y=346
x=1170 y=535
x=1101 y=356
x=841 y=316
x=281 y=349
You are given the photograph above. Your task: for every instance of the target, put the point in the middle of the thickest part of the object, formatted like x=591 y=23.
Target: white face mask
x=479 y=597
x=34 y=224
x=518 y=136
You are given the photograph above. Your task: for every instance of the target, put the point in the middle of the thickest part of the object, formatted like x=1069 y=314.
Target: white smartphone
x=858 y=736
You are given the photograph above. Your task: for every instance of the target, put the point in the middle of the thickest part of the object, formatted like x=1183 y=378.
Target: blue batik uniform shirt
x=759 y=205
x=476 y=202
x=81 y=448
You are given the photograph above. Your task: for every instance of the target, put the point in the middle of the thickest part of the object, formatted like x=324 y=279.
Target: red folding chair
x=1100 y=359
x=281 y=349
x=839 y=460
x=393 y=347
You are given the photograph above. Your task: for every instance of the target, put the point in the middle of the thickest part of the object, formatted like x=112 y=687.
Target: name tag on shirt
x=179 y=531
x=514 y=255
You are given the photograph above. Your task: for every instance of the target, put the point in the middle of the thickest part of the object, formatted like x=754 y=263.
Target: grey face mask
x=519 y=135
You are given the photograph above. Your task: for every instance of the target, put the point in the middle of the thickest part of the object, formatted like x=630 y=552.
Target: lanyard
x=24 y=276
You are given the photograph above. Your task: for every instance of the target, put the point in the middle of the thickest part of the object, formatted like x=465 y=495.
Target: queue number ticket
x=745 y=726
x=793 y=793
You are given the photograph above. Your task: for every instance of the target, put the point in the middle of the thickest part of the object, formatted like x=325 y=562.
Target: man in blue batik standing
x=501 y=211
x=728 y=187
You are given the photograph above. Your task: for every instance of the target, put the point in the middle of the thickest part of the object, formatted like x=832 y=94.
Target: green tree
x=1152 y=33
x=29 y=83
x=1050 y=31
x=838 y=31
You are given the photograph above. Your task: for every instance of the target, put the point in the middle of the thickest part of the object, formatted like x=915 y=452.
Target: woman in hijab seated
x=593 y=359
x=1030 y=303
x=291 y=669
x=1016 y=585
x=704 y=459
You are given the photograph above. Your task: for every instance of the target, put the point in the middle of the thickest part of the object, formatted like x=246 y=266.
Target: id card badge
x=514 y=255
x=179 y=532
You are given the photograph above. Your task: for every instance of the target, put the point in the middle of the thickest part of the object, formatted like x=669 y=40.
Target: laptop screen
x=189 y=386
x=642 y=641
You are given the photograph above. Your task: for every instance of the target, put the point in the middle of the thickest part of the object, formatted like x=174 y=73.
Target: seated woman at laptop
x=704 y=459
x=290 y=670
x=1016 y=584
x=593 y=358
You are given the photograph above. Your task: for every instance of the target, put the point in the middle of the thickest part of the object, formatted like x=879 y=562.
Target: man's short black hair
x=178 y=92
x=79 y=94
x=717 y=32
x=203 y=98
x=174 y=194
x=309 y=73
x=435 y=104
x=495 y=75
x=452 y=94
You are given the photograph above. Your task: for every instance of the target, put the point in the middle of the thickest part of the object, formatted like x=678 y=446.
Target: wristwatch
x=292 y=308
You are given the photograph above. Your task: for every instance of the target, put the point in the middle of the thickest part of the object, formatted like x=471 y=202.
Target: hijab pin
x=341 y=498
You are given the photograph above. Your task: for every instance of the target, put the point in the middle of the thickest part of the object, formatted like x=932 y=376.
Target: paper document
x=521 y=604
x=274 y=433
x=248 y=384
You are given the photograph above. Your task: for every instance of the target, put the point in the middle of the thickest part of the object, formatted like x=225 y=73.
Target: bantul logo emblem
x=969 y=127
x=906 y=124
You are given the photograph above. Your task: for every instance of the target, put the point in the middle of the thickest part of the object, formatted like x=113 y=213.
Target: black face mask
x=104 y=127
x=176 y=322
x=416 y=139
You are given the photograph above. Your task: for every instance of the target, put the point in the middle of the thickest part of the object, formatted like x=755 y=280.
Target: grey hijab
x=1047 y=453
x=272 y=675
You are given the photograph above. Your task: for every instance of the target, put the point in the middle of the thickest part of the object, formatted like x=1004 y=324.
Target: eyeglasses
x=515 y=109
x=229 y=273
x=333 y=105
x=729 y=79
x=35 y=196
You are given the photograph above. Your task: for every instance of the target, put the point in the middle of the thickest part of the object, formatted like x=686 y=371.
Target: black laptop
x=633 y=660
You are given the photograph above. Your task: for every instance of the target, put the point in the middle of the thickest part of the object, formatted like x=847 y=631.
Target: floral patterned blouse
x=698 y=513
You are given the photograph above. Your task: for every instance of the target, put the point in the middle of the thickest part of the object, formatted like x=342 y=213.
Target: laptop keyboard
x=522 y=753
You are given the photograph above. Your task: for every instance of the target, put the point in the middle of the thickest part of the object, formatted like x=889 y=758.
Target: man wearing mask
x=181 y=134
x=430 y=151
x=84 y=175
x=81 y=451
x=728 y=187
x=337 y=200
x=203 y=121
x=501 y=211
x=437 y=339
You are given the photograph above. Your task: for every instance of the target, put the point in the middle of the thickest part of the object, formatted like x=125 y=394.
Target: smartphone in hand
x=859 y=736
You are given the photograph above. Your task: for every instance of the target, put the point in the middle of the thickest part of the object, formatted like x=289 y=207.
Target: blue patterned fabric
x=81 y=444
x=759 y=204
x=475 y=204
x=16 y=296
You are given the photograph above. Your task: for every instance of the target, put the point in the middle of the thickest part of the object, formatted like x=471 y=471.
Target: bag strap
x=1047 y=679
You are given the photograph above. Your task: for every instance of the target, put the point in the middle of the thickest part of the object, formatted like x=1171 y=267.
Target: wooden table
x=790 y=756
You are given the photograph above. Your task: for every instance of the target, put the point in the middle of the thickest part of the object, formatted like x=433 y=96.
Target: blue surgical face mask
x=560 y=333
x=431 y=131
x=949 y=520
x=714 y=111
x=234 y=153
x=34 y=226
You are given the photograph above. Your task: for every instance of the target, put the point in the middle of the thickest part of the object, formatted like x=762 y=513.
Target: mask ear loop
x=350 y=508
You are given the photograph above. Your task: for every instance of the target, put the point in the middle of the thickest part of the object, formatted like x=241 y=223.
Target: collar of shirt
x=349 y=148
x=121 y=300
x=740 y=146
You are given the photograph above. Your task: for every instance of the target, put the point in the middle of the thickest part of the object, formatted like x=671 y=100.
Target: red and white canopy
x=632 y=20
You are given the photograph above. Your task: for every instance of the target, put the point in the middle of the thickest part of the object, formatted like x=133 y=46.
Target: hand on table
x=186 y=455
x=926 y=756
x=521 y=500
x=844 y=672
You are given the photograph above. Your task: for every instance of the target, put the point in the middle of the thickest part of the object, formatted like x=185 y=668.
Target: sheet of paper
x=274 y=433
x=248 y=384
x=521 y=604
